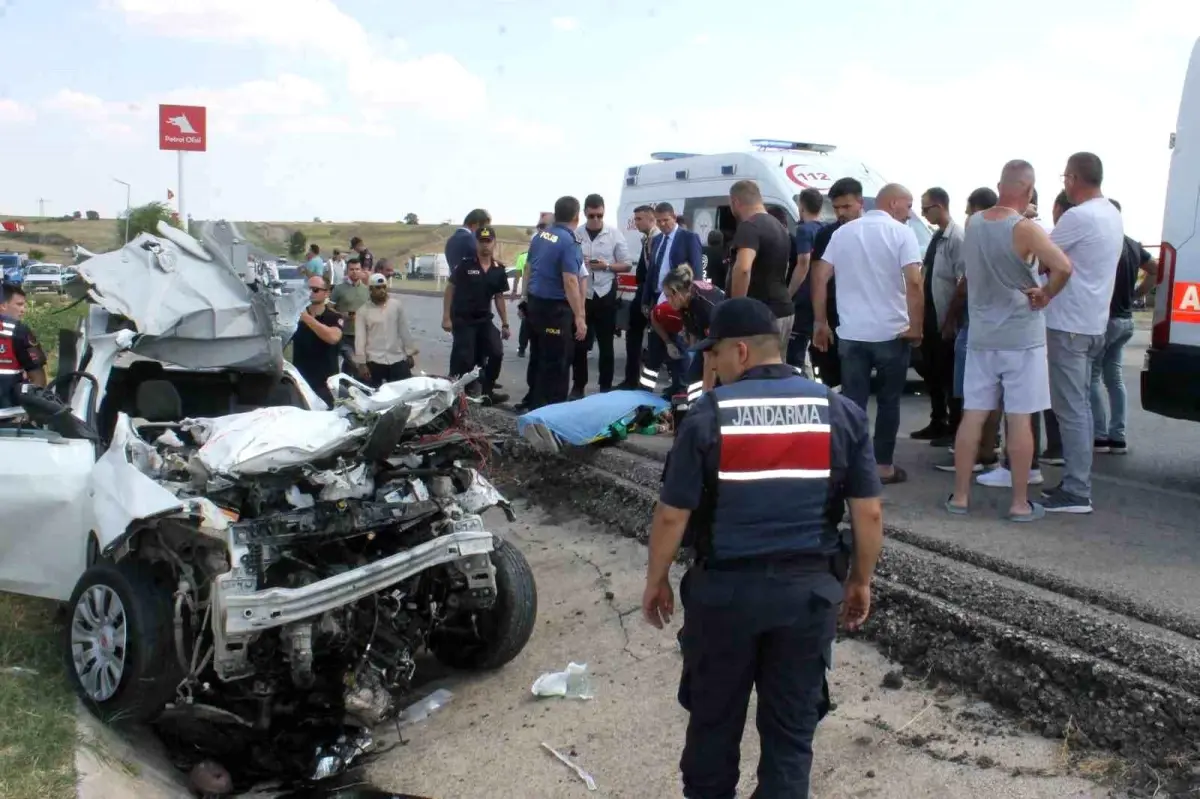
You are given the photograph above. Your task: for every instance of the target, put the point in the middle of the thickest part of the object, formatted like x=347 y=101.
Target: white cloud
x=286 y=95
x=565 y=23
x=101 y=116
x=702 y=38
x=529 y=131
x=294 y=24
x=14 y=113
x=437 y=83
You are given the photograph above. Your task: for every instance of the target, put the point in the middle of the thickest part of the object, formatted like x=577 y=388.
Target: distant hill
x=54 y=236
x=393 y=241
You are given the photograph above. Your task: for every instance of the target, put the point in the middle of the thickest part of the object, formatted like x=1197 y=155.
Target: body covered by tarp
x=190 y=306
x=588 y=420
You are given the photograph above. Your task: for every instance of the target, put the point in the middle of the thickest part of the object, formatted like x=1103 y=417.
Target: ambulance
x=1171 y=374
x=697 y=186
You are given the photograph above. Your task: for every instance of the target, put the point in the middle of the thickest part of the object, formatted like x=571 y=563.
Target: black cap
x=485 y=233
x=740 y=317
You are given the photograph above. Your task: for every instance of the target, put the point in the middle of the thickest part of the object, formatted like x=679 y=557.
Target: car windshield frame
x=43 y=269
x=289 y=273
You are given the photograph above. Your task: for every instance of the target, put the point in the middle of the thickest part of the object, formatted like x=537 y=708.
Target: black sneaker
x=496 y=385
x=1052 y=457
x=1118 y=448
x=944 y=442
x=495 y=398
x=522 y=407
x=1101 y=445
x=1062 y=502
x=576 y=393
x=929 y=432
x=520 y=353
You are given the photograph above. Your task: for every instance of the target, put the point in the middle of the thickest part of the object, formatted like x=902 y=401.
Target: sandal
x=1036 y=512
x=953 y=509
x=898 y=476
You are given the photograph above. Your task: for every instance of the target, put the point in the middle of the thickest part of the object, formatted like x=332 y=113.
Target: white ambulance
x=1171 y=375
x=698 y=187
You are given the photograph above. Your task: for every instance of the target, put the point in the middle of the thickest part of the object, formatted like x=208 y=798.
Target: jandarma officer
x=761 y=470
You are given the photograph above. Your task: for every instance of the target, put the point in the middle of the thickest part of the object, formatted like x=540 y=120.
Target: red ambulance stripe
x=763 y=452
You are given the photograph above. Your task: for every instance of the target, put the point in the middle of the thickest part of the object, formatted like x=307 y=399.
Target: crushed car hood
x=191 y=306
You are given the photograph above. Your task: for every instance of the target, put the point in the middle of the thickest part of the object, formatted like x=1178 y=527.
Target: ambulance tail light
x=1160 y=332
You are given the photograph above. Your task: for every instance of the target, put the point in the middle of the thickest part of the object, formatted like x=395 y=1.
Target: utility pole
x=42 y=206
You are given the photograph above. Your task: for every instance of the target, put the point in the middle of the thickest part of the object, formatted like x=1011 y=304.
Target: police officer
x=760 y=472
x=555 y=306
x=477 y=283
x=21 y=356
x=695 y=301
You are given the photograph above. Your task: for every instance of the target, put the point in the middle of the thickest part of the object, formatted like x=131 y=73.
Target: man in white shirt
x=880 y=305
x=605 y=254
x=1092 y=235
x=337 y=269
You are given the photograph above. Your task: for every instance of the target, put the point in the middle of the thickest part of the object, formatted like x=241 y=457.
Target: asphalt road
x=1140 y=543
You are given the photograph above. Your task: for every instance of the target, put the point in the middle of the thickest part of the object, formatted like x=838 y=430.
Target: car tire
x=115 y=603
x=506 y=627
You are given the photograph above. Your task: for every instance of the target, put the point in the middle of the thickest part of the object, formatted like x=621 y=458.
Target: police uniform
x=20 y=353
x=552 y=253
x=476 y=338
x=697 y=317
x=765 y=466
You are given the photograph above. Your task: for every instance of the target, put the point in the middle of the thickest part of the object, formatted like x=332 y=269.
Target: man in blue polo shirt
x=555 y=309
x=461 y=244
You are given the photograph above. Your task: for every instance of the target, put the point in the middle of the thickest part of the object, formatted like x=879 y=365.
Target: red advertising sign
x=183 y=127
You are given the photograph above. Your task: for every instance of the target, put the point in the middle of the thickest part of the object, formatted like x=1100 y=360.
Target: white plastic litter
x=424 y=708
x=583 y=775
x=572 y=683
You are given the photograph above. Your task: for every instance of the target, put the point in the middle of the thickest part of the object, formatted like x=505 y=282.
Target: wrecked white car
x=233 y=552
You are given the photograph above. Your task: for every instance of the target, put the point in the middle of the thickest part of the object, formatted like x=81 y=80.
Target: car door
x=44 y=506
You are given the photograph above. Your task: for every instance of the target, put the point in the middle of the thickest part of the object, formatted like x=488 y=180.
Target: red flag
x=170 y=194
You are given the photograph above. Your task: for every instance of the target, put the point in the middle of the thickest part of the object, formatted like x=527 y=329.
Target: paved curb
x=1069 y=668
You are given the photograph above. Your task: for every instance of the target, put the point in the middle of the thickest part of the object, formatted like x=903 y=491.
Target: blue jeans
x=890 y=360
x=1107 y=369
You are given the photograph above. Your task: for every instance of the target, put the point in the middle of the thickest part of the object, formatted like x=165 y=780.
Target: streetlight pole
x=127 y=206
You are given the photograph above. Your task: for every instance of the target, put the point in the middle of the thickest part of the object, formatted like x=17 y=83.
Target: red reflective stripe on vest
x=771 y=453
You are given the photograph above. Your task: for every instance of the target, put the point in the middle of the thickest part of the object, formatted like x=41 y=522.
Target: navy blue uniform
x=476 y=338
x=552 y=253
x=765 y=465
x=696 y=318
x=459 y=246
x=20 y=353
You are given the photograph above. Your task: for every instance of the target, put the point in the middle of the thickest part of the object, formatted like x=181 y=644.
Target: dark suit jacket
x=685 y=249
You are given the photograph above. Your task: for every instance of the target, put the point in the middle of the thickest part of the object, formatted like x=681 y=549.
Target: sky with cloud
x=371 y=109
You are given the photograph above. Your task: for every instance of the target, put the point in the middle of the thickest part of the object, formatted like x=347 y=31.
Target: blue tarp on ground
x=587 y=420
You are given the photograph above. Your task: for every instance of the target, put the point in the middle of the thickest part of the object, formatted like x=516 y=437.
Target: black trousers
x=768 y=630
x=388 y=372
x=601 y=316
x=937 y=369
x=316 y=381
x=551 y=350
x=633 y=343
x=477 y=343
x=523 y=335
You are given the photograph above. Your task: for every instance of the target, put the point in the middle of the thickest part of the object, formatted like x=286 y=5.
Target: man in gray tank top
x=1006 y=341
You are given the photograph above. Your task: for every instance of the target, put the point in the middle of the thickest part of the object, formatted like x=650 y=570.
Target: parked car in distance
x=46 y=277
x=12 y=266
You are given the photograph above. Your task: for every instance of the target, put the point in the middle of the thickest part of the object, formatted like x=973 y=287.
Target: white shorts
x=1016 y=380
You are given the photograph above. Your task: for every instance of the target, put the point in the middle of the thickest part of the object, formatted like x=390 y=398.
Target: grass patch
x=54 y=236
x=393 y=241
x=37 y=710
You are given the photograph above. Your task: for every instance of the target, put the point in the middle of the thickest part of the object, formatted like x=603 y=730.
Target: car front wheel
x=505 y=628
x=119 y=650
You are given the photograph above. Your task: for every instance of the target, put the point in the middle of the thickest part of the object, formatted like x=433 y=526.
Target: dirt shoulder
x=914 y=741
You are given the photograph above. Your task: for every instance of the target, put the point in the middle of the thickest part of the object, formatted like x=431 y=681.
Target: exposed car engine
x=300 y=583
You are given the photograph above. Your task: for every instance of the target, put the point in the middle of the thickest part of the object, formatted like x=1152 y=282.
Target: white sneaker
x=1001 y=477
